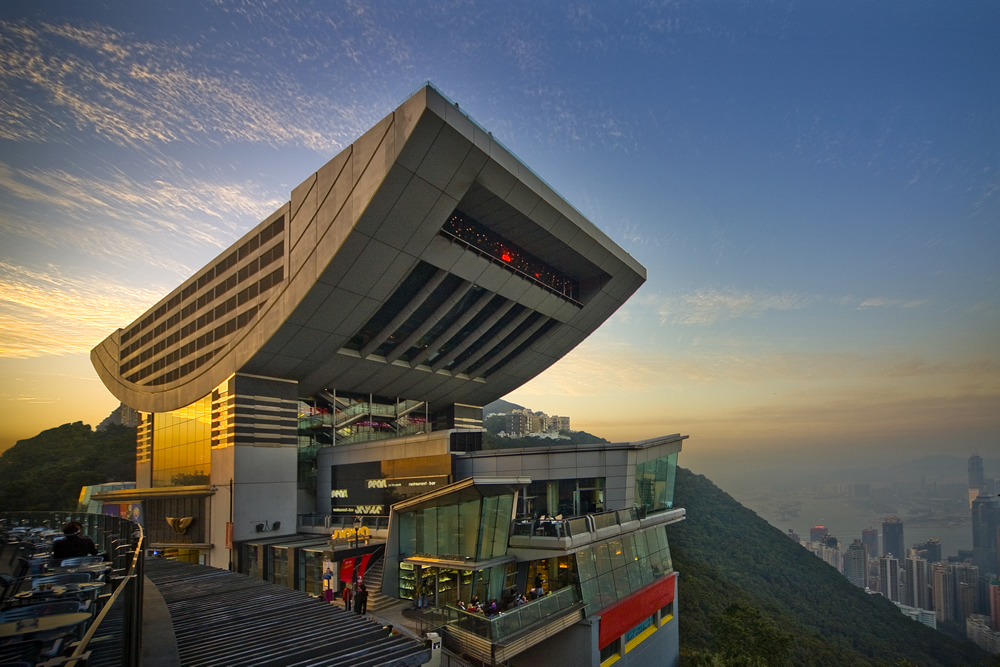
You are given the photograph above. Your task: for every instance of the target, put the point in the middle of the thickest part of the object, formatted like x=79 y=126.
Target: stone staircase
x=377 y=602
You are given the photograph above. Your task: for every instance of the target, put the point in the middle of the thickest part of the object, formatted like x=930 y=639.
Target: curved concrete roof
x=356 y=285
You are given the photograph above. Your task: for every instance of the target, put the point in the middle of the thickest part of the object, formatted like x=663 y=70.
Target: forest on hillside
x=46 y=472
x=748 y=595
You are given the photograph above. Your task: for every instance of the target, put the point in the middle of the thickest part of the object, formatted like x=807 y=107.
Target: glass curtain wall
x=182 y=445
x=654 y=484
x=613 y=570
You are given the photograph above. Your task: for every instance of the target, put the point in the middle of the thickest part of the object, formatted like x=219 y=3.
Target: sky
x=813 y=188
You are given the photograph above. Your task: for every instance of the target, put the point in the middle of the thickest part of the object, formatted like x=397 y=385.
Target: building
x=985 y=527
x=888 y=577
x=919 y=615
x=915 y=584
x=792 y=535
x=892 y=538
x=965 y=579
x=943 y=585
x=816 y=533
x=856 y=563
x=930 y=550
x=869 y=537
x=322 y=380
x=977 y=629
x=976 y=477
x=995 y=604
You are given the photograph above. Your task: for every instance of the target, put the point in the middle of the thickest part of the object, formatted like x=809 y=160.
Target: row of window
x=267 y=258
x=243 y=251
x=222 y=309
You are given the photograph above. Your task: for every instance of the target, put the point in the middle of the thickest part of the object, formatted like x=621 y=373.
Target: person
x=347 y=595
x=72 y=545
x=328 y=594
x=362 y=604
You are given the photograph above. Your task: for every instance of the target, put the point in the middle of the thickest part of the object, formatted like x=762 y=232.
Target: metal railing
x=576 y=526
x=340 y=521
x=123 y=541
x=500 y=627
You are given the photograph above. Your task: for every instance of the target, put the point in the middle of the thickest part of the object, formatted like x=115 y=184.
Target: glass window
x=617 y=553
x=634 y=578
x=488 y=525
x=654 y=483
x=591 y=594
x=447 y=530
x=585 y=564
x=622 y=586
x=505 y=507
x=603 y=558
x=645 y=571
x=607 y=585
x=612 y=650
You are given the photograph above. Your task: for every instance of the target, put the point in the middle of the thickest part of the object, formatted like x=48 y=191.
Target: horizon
x=814 y=193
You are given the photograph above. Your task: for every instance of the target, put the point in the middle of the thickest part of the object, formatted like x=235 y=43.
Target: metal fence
x=123 y=541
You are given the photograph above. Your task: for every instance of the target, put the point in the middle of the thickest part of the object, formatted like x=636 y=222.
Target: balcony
x=560 y=535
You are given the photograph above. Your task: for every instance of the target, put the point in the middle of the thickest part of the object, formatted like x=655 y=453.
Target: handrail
x=127 y=641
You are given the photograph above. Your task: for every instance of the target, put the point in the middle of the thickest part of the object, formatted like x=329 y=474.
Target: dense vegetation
x=45 y=473
x=741 y=579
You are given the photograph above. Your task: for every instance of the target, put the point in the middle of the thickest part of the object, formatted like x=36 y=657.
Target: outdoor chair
x=81 y=560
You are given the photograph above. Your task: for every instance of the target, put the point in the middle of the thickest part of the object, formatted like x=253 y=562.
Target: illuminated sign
x=349 y=533
x=369 y=509
x=377 y=484
x=338 y=493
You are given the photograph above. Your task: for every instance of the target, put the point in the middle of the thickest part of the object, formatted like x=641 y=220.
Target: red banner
x=347 y=570
x=364 y=564
x=229 y=535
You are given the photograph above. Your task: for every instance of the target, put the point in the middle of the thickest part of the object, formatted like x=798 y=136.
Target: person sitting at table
x=72 y=545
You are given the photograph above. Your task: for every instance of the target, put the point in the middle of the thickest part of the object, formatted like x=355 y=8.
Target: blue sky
x=814 y=189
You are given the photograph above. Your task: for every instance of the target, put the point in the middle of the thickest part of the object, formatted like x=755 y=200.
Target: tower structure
x=888 y=574
x=869 y=537
x=943 y=584
x=892 y=538
x=816 y=533
x=985 y=527
x=916 y=582
x=856 y=563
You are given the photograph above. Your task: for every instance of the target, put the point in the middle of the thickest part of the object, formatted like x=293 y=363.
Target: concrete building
x=919 y=615
x=943 y=585
x=892 y=538
x=856 y=563
x=915 y=582
x=327 y=371
x=888 y=576
x=816 y=533
x=995 y=604
x=977 y=629
x=869 y=537
x=985 y=535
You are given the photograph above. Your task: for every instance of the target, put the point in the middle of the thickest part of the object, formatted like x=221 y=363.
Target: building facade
x=892 y=538
x=330 y=368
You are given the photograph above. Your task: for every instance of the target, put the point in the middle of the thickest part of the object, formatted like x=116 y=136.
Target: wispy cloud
x=708 y=306
x=883 y=302
x=47 y=312
x=101 y=214
x=56 y=78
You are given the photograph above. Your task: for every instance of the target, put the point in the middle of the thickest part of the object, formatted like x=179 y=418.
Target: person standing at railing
x=72 y=544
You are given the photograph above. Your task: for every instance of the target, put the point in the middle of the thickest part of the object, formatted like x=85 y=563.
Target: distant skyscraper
x=869 y=537
x=985 y=523
x=932 y=548
x=888 y=576
x=816 y=533
x=975 y=477
x=944 y=592
x=892 y=537
x=995 y=604
x=916 y=583
x=794 y=536
x=856 y=564
x=966 y=590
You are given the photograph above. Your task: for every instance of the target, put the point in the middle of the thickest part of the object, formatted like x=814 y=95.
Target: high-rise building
x=916 y=583
x=892 y=537
x=985 y=524
x=931 y=550
x=816 y=533
x=869 y=537
x=975 y=477
x=888 y=577
x=965 y=578
x=856 y=563
x=943 y=584
x=995 y=604
x=794 y=536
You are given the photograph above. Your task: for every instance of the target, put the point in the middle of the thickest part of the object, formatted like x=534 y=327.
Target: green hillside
x=45 y=473
x=742 y=579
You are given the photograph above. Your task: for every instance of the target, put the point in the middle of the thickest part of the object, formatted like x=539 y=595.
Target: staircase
x=377 y=602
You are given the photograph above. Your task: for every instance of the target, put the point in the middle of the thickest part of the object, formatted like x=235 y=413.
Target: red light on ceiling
x=505 y=256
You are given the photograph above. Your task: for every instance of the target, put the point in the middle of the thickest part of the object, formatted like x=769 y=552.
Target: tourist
x=347 y=595
x=72 y=545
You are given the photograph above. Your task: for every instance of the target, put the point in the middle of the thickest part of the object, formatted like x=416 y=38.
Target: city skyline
x=814 y=192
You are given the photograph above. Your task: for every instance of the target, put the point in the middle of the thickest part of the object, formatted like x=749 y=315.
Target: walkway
x=223 y=618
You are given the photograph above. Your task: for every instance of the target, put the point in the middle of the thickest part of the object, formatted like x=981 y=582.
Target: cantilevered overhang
x=424 y=261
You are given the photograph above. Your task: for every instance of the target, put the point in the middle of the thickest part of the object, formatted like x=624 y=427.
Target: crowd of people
x=510 y=599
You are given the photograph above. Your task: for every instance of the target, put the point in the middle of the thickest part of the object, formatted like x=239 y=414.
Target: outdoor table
x=45 y=624
x=93 y=568
x=61 y=589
